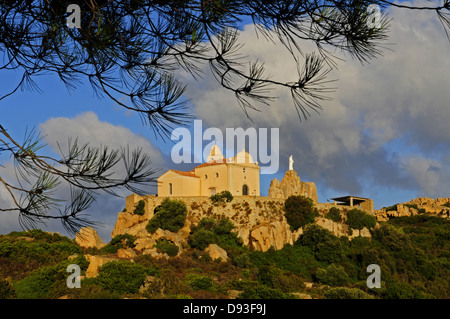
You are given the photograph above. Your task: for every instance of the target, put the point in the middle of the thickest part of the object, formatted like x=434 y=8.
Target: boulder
x=88 y=237
x=215 y=252
x=266 y=235
x=127 y=253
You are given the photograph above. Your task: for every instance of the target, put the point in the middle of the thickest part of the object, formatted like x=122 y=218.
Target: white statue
x=291 y=163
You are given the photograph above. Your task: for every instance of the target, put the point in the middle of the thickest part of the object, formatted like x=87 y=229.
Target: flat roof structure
x=349 y=200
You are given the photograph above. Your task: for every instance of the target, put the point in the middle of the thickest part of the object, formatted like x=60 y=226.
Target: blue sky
x=385 y=134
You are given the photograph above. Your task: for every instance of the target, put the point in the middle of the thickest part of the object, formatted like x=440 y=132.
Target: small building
x=363 y=203
x=239 y=175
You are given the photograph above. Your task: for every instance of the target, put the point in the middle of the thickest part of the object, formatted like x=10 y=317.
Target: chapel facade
x=239 y=175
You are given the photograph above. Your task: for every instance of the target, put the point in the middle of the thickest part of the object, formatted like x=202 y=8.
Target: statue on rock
x=291 y=163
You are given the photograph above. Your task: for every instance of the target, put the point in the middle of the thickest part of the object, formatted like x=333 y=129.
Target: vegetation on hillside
x=299 y=211
x=412 y=252
x=170 y=215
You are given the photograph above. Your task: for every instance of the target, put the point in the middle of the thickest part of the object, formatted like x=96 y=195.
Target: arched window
x=245 y=190
x=170 y=189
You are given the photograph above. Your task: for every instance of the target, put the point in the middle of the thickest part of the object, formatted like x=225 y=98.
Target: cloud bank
x=386 y=128
x=88 y=129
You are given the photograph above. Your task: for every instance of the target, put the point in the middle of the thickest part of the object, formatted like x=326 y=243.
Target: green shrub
x=6 y=290
x=333 y=275
x=49 y=281
x=358 y=219
x=166 y=246
x=122 y=276
x=170 y=215
x=267 y=275
x=346 y=293
x=324 y=245
x=118 y=242
x=199 y=282
x=399 y=290
x=299 y=211
x=210 y=231
x=241 y=260
x=296 y=259
x=139 y=208
x=201 y=239
x=334 y=214
x=222 y=197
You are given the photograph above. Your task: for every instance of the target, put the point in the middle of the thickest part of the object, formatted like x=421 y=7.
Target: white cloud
x=401 y=98
x=88 y=129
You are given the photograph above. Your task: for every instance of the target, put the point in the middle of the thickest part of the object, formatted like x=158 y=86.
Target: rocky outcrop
x=88 y=237
x=439 y=207
x=129 y=223
x=340 y=229
x=275 y=234
x=216 y=252
x=95 y=262
x=275 y=190
x=291 y=185
x=258 y=221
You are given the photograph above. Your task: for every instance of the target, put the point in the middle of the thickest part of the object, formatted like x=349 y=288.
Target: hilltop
x=209 y=257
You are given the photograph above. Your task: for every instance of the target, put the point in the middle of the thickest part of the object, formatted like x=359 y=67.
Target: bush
x=6 y=290
x=122 y=276
x=139 y=208
x=333 y=275
x=118 y=242
x=199 y=282
x=324 y=245
x=170 y=215
x=222 y=197
x=296 y=259
x=334 y=214
x=299 y=211
x=48 y=282
x=396 y=290
x=210 y=231
x=346 y=293
x=166 y=246
x=201 y=239
x=358 y=219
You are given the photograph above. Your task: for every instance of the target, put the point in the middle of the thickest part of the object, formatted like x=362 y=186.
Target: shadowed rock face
x=88 y=237
x=291 y=185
